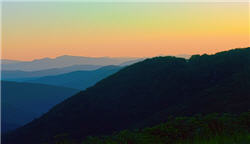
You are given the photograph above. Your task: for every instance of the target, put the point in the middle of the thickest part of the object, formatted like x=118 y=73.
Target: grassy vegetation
x=209 y=129
x=243 y=138
x=220 y=139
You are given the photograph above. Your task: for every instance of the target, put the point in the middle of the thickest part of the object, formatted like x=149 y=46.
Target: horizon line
x=128 y=57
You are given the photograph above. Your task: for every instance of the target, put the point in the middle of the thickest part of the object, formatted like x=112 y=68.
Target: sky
x=33 y=30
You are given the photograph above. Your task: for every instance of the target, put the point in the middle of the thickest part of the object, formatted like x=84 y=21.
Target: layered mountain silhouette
x=146 y=93
x=127 y=63
x=60 y=62
x=5 y=61
x=23 y=102
x=77 y=79
x=17 y=75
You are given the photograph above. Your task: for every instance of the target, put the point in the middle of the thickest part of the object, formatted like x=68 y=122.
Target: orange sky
x=38 y=30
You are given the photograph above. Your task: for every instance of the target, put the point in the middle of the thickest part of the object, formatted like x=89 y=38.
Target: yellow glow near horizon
x=37 y=30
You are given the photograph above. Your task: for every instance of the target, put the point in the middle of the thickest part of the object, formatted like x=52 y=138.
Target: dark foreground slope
x=199 y=129
x=145 y=94
x=23 y=102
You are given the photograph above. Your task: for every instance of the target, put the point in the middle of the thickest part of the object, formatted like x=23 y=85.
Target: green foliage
x=220 y=139
x=209 y=129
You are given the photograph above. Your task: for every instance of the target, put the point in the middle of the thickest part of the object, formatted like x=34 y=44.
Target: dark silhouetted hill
x=145 y=94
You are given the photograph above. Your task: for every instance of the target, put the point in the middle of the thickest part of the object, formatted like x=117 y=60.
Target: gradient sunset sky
x=32 y=30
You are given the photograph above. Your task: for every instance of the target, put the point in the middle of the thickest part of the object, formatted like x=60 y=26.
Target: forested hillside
x=146 y=94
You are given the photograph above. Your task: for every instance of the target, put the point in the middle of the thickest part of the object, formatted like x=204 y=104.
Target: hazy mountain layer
x=77 y=79
x=62 y=61
x=17 y=75
x=23 y=102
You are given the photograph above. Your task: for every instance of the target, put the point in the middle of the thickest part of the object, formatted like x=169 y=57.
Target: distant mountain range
x=77 y=79
x=9 y=61
x=145 y=94
x=60 y=62
x=17 y=75
x=23 y=102
x=18 y=100
x=183 y=56
x=64 y=63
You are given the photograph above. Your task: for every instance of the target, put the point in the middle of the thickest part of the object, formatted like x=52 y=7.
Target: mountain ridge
x=77 y=79
x=146 y=93
x=18 y=74
x=63 y=61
